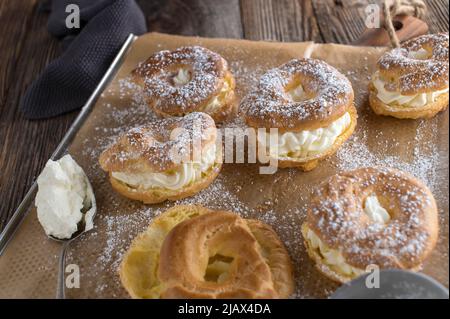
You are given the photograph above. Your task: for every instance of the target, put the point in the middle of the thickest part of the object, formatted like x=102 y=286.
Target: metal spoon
x=393 y=284
x=90 y=209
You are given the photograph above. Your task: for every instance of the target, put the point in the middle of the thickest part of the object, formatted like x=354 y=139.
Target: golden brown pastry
x=186 y=80
x=310 y=104
x=412 y=82
x=194 y=252
x=168 y=159
x=370 y=216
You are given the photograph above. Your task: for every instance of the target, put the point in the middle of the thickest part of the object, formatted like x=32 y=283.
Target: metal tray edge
x=22 y=210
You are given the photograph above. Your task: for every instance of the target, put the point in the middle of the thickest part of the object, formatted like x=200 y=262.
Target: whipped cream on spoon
x=66 y=206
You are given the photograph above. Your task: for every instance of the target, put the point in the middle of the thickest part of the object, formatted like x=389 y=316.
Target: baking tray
x=28 y=266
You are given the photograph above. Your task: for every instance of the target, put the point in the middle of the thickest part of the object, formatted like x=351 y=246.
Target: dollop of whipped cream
x=331 y=257
x=182 y=78
x=64 y=198
x=375 y=211
x=184 y=175
x=393 y=98
x=219 y=270
x=297 y=94
x=420 y=54
x=304 y=144
x=217 y=101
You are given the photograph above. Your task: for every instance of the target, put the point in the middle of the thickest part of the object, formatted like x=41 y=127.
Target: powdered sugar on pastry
x=176 y=179
x=167 y=159
x=185 y=80
x=161 y=144
x=412 y=81
x=413 y=73
x=401 y=240
x=327 y=95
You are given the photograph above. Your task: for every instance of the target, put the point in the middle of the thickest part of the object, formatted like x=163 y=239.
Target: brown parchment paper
x=28 y=267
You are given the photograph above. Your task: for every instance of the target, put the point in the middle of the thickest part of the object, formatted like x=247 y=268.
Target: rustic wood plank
x=342 y=21
x=411 y=27
x=13 y=18
x=279 y=20
x=213 y=18
x=437 y=17
x=25 y=145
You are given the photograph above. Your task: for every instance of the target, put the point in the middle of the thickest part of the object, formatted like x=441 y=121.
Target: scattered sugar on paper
x=121 y=229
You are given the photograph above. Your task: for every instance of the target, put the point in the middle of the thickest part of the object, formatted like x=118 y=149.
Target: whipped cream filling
x=297 y=93
x=217 y=101
x=331 y=257
x=219 y=270
x=182 y=176
x=64 y=198
x=183 y=77
x=420 y=54
x=375 y=211
x=396 y=98
x=304 y=144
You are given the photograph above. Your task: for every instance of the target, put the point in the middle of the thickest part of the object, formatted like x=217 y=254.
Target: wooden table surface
x=26 y=48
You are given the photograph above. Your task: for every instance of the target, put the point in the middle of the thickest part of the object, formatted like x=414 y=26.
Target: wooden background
x=26 y=48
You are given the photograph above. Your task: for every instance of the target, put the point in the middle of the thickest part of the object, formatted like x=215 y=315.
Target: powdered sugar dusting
x=337 y=214
x=411 y=75
x=268 y=105
x=205 y=67
x=281 y=200
x=421 y=162
x=159 y=145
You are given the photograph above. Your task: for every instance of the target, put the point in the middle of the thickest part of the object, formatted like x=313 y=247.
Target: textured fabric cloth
x=68 y=81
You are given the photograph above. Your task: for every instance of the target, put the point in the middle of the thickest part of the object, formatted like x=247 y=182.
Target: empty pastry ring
x=327 y=95
x=207 y=254
x=186 y=80
x=370 y=216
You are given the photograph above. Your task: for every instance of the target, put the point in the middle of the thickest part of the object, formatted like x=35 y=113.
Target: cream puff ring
x=370 y=216
x=168 y=159
x=310 y=103
x=412 y=82
x=186 y=80
x=194 y=252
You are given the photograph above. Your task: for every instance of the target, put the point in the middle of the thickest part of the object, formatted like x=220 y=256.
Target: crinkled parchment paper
x=28 y=267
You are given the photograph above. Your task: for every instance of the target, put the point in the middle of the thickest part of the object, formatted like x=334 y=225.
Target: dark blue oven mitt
x=67 y=82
